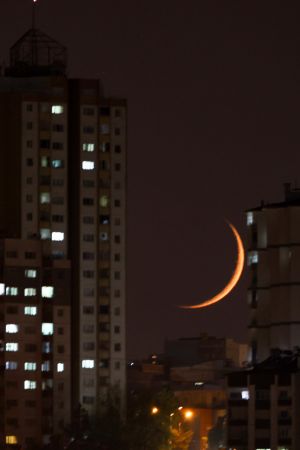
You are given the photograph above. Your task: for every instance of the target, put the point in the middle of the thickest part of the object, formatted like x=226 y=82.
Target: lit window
x=11 y=290
x=45 y=197
x=88 y=165
x=45 y=233
x=252 y=258
x=57 y=236
x=11 y=439
x=46 y=366
x=11 y=328
x=30 y=310
x=29 y=384
x=11 y=346
x=104 y=236
x=57 y=163
x=47 y=291
x=88 y=147
x=30 y=273
x=46 y=347
x=250 y=218
x=60 y=367
x=104 y=201
x=2 y=288
x=11 y=365
x=45 y=161
x=87 y=363
x=245 y=395
x=30 y=366
x=30 y=292
x=57 y=109
x=47 y=329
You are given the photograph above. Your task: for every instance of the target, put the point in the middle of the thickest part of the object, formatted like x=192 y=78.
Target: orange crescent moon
x=233 y=280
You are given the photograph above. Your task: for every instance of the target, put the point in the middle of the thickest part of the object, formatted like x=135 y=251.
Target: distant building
x=274 y=275
x=264 y=405
x=62 y=193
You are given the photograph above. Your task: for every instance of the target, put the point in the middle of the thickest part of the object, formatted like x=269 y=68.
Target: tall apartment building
x=274 y=286
x=62 y=192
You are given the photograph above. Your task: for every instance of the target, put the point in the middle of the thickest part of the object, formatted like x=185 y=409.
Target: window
x=117 y=365
x=45 y=161
x=104 y=220
x=117 y=347
x=60 y=349
x=45 y=233
x=104 y=165
x=45 y=143
x=11 y=439
x=58 y=218
x=117 y=257
x=29 y=162
x=29 y=384
x=30 y=273
x=88 y=147
x=88 y=130
x=46 y=347
x=87 y=363
x=11 y=365
x=57 y=109
x=30 y=292
x=57 y=200
x=88 y=346
x=104 y=201
x=88 y=256
x=29 y=217
x=117 y=239
x=29 y=107
x=88 y=274
x=88 y=111
x=30 y=348
x=47 y=291
x=57 y=236
x=104 y=128
x=57 y=163
x=11 y=290
x=88 y=292
x=117 y=149
x=88 y=329
x=29 y=198
x=250 y=218
x=58 y=128
x=46 y=366
x=88 y=400
x=44 y=197
x=30 y=255
x=105 y=147
x=29 y=125
x=88 y=310
x=104 y=110
x=47 y=329
x=30 y=366
x=2 y=288
x=88 y=238
x=103 y=236
x=11 y=328
x=104 y=327
x=117 y=203
x=118 y=167
x=117 y=311
x=11 y=346
x=57 y=146
x=104 y=309
x=117 y=329
x=252 y=258
x=88 y=220
x=57 y=182
x=86 y=201
x=60 y=367
x=117 y=131
x=104 y=363
x=88 y=165
x=88 y=183
x=30 y=310
x=29 y=180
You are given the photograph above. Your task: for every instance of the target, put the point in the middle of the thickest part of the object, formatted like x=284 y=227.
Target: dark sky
x=214 y=114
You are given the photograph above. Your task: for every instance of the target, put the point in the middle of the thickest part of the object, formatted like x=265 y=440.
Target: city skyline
x=213 y=103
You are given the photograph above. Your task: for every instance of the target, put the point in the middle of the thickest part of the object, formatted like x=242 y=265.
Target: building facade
x=63 y=194
x=274 y=271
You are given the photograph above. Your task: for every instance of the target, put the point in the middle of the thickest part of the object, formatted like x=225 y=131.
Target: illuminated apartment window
x=88 y=165
x=250 y=218
x=88 y=147
x=2 y=288
x=104 y=201
x=30 y=366
x=45 y=161
x=252 y=258
x=11 y=365
x=46 y=366
x=29 y=384
x=11 y=439
x=11 y=346
x=57 y=109
x=30 y=310
x=87 y=363
x=46 y=347
x=30 y=273
x=47 y=329
x=44 y=197
x=103 y=236
x=30 y=292
x=57 y=163
x=57 y=236
x=47 y=291
x=45 y=233
x=60 y=367
x=11 y=328
x=11 y=290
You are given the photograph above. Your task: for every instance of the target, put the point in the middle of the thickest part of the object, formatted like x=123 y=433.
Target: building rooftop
x=291 y=198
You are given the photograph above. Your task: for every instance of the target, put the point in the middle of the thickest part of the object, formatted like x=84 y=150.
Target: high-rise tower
x=62 y=195
x=274 y=285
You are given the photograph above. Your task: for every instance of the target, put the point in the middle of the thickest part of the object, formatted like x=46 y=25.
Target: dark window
x=88 y=220
x=60 y=349
x=104 y=326
x=88 y=273
x=88 y=130
x=117 y=203
x=88 y=183
x=104 y=363
x=30 y=348
x=118 y=167
x=104 y=111
x=29 y=162
x=87 y=201
x=104 y=220
x=118 y=148
x=58 y=127
x=117 y=131
x=88 y=310
x=57 y=146
x=117 y=239
x=88 y=346
x=104 y=309
x=30 y=255
x=117 y=347
x=45 y=143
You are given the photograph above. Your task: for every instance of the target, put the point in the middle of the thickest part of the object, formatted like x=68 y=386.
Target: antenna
x=33 y=13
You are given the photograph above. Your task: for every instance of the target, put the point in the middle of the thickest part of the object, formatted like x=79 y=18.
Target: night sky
x=213 y=93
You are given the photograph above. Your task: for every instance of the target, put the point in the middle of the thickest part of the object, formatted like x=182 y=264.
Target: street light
x=154 y=410
x=188 y=414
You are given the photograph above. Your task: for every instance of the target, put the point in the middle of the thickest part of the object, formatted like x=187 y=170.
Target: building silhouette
x=62 y=248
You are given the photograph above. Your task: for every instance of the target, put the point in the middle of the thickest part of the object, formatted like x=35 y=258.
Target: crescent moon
x=233 y=280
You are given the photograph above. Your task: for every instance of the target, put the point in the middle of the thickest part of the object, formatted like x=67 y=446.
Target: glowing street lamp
x=154 y=410
x=188 y=414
